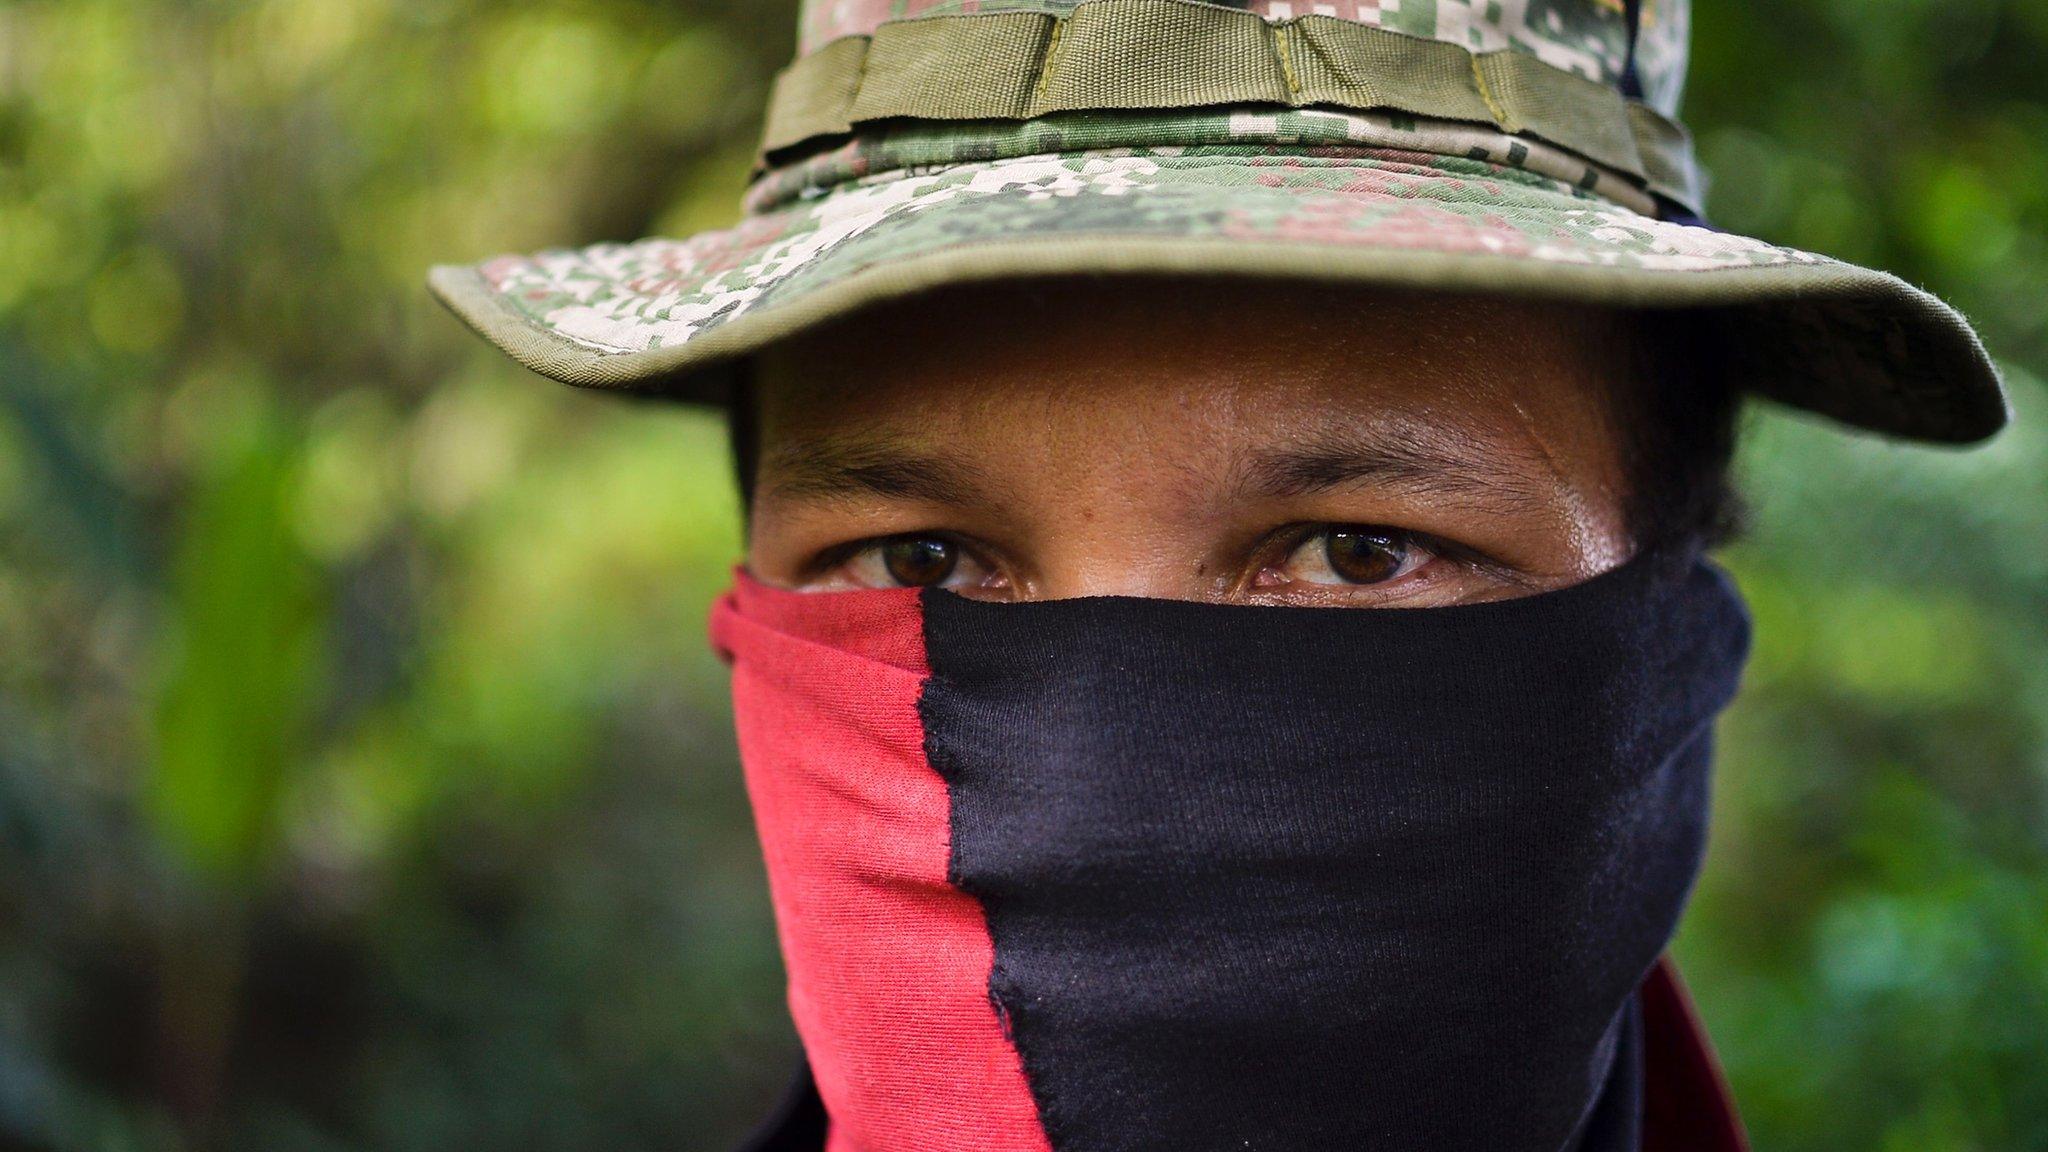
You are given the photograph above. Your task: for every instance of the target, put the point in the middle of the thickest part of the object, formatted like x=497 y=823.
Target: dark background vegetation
x=365 y=782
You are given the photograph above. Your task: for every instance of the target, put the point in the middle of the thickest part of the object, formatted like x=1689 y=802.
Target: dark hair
x=1678 y=420
x=1676 y=415
x=743 y=433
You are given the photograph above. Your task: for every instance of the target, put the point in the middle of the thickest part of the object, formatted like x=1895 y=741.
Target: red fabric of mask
x=888 y=962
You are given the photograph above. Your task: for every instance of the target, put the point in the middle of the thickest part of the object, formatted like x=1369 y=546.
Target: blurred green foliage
x=365 y=781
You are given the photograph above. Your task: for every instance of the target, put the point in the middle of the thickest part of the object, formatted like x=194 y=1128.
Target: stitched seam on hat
x=1500 y=116
x=1539 y=261
x=860 y=73
x=1278 y=36
x=1045 y=66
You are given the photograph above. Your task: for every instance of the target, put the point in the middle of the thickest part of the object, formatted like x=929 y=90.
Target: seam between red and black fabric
x=1003 y=986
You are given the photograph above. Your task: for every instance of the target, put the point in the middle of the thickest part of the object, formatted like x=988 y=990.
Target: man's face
x=1202 y=441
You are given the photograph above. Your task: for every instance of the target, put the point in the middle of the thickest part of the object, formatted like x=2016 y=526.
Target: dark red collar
x=1686 y=1103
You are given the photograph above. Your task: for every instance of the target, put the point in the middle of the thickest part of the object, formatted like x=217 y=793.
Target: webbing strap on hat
x=1132 y=54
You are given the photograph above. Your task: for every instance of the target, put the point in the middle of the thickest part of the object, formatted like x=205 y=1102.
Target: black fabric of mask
x=1303 y=879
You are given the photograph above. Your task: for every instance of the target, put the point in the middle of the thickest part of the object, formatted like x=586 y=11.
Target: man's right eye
x=915 y=561
x=919 y=561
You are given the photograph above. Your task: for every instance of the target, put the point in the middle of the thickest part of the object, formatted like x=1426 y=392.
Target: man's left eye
x=915 y=560
x=1354 y=555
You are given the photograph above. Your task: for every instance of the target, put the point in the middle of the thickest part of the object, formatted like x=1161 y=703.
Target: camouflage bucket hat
x=1511 y=146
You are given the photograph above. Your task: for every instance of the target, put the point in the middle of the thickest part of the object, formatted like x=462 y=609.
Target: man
x=1091 y=365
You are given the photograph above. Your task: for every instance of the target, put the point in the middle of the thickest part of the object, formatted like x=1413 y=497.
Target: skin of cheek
x=1109 y=444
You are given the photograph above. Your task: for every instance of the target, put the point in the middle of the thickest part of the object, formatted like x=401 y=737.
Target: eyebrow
x=1422 y=462
x=829 y=467
x=1425 y=462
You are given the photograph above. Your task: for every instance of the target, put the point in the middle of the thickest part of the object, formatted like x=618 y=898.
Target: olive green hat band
x=1154 y=54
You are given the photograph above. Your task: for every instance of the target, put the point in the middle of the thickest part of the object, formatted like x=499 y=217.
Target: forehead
x=1217 y=359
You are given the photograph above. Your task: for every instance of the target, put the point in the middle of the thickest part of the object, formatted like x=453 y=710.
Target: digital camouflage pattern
x=1586 y=37
x=631 y=298
x=906 y=205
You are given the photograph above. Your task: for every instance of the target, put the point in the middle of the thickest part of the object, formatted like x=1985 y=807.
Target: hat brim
x=660 y=315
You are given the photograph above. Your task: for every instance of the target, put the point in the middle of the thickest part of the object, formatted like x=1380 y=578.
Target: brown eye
x=1364 y=557
x=918 y=561
x=923 y=559
x=1350 y=555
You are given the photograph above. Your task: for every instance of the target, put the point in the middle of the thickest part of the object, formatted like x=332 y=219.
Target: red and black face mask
x=1120 y=874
